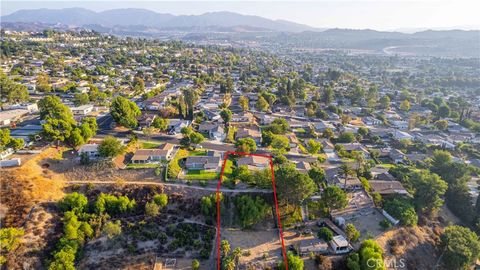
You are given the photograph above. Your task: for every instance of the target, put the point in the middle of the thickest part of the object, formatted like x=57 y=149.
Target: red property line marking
x=279 y=222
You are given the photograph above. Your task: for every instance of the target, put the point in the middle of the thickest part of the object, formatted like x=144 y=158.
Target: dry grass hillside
x=27 y=194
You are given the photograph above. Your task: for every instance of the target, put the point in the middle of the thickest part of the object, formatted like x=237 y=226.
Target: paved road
x=225 y=190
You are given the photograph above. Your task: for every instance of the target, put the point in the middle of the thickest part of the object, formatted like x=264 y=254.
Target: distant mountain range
x=229 y=26
x=147 y=18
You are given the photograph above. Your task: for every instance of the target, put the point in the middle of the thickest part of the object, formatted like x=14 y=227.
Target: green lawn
x=174 y=166
x=228 y=168
x=195 y=153
x=205 y=175
x=150 y=145
x=142 y=166
x=201 y=175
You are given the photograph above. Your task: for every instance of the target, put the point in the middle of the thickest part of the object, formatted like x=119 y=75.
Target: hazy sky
x=360 y=14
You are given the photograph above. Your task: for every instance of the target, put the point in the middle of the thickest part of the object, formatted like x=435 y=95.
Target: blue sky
x=356 y=14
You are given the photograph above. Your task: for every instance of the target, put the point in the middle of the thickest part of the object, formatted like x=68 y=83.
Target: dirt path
x=224 y=190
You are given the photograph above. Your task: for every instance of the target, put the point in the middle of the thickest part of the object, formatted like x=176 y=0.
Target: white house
x=401 y=135
x=91 y=150
x=175 y=125
x=82 y=110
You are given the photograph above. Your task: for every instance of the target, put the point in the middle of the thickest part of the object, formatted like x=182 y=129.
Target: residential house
x=153 y=155
x=349 y=147
x=396 y=156
x=175 y=125
x=254 y=162
x=327 y=146
x=245 y=117
x=353 y=183
x=214 y=131
x=387 y=188
x=82 y=110
x=402 y=135
x=371 y=121
x=210 y=162
x=90 y=150
x=146 y=120
x=313 y=245
x=9 y=117
x=340 y=245
x=249 y=133
x=303 y=166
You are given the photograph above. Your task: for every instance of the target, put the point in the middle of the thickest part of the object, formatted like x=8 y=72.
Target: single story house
x=90 y=150
x=214 y=131
x=175 y=125
x=386 y=188
x=249 y=133
x=254 y=162
x=317 y=246
x=396 y=156
x=82 y=110
x=153 y=155
x=303 y=166
x=211 y=162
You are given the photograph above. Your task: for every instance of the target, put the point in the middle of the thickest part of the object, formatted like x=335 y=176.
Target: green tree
x=313 y=146
x=110 y=147
x=352 y=233
x=334 y=197
x=294 y=262
x=327 y=96
x=81 y=99
x=325 y=233
x=191 y=97
x=405 y=105
x=10 y=238
x=75 y=202
x=246 y=145
x=250 y=210
x=262 y=104
x=125 y=112
x=195 y=264
x=443 y=111
x=10 y=91
x=461 y=247
x=346 y=137
x=161 y=200
x=402 y=210
x=112 y=229
x=328 y=133
x=429 y=188
x=280 y=144
x=152 y=209
x=385 y=102
x=161 y=123
x=243 y=101
x=368 y=257
x=295 y=187
x=318 y=175
x=226 y=115
x=441 y=125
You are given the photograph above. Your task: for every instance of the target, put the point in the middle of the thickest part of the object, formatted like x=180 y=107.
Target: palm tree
x=345 y=171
